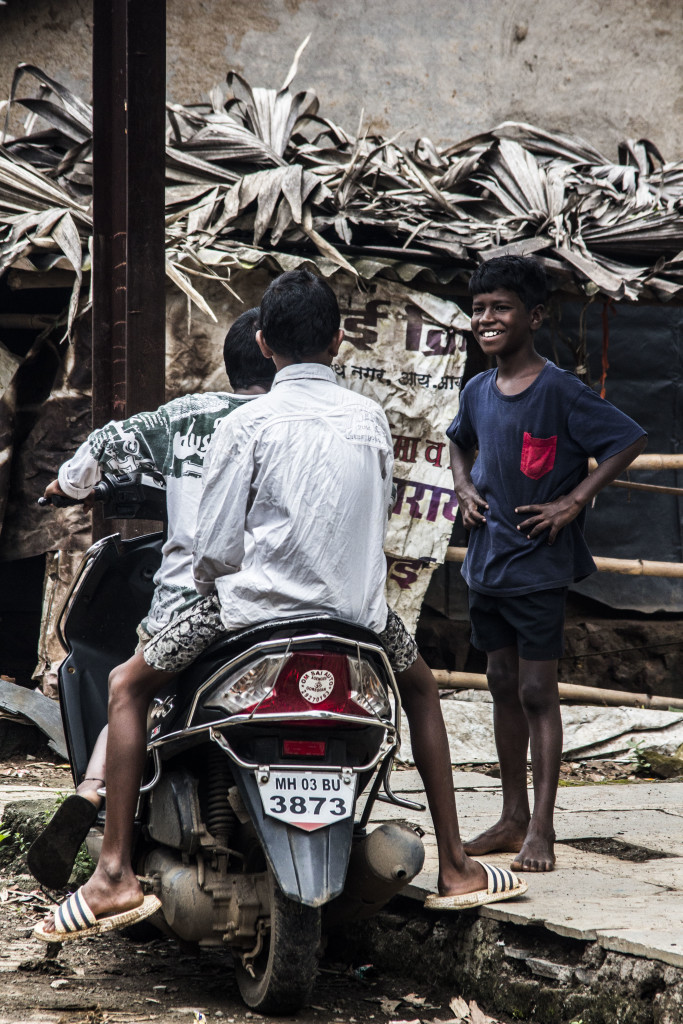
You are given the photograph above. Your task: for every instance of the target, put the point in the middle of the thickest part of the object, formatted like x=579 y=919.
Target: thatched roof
x=259 y=174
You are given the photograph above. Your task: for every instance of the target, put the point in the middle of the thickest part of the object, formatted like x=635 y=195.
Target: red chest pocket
x=538 y=455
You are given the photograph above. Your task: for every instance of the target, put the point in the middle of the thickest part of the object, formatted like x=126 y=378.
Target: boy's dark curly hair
x=522 y=275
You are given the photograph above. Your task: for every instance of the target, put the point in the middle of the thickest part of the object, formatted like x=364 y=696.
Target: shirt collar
x=305 y=371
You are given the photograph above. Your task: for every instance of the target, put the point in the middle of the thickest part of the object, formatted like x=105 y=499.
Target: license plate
x=308 y=800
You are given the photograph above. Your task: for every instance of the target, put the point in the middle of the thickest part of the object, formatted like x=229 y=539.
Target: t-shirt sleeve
x=461 y=430
x=121 y=446
x=599 y=427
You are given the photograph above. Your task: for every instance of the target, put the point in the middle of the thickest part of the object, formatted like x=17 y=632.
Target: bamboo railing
x=568 y=691
x=652 y=461
x=625 y=566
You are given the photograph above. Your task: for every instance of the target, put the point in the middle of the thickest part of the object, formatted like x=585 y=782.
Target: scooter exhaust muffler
x=381 y=864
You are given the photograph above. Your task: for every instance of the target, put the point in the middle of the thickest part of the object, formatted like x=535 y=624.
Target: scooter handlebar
x=124 y=496
x=58 y=500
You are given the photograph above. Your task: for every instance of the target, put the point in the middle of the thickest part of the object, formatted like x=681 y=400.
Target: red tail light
x=311 y=682
x=303 y=748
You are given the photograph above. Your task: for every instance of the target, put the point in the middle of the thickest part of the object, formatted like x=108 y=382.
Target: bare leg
x=540 y=700
x=512 y=740
x=113 y=886
x=420 y=696
x=95 y=773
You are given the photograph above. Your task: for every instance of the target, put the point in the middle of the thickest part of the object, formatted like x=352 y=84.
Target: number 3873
x=307 y=805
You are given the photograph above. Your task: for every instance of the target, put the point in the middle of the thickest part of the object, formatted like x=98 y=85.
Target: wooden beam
x=128 y=318
x=568 y=691
x=624 y=566
x=650 y=461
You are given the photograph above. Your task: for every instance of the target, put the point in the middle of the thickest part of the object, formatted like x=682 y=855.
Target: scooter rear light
x=242 y=690
x=304 y=748
x=312 y=681
x=367 y=690
x=303 y=682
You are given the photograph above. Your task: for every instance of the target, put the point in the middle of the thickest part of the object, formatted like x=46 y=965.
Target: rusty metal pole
x=128 y=318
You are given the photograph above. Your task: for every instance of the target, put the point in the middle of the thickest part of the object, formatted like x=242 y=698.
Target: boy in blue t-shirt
x=524 y=499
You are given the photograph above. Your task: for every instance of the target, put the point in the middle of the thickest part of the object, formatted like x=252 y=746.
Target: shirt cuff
x=70 y=489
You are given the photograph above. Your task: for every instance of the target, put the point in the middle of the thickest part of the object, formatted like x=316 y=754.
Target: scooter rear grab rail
x=294 y=644
x=253 y=766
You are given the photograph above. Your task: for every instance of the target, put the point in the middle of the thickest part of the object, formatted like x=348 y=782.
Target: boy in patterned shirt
x=172 y=441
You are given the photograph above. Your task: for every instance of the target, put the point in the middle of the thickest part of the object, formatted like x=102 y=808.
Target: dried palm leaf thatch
x=257 y=171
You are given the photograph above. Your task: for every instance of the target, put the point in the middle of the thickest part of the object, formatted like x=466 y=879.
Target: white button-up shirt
x=293 y=514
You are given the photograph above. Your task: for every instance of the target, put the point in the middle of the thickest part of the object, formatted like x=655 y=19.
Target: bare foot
x=467 y=876
x=106 y=895
x=503 y=837
x=537 y=854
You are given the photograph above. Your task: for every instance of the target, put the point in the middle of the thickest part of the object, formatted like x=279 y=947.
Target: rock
x=665 y=766
x=22 y=820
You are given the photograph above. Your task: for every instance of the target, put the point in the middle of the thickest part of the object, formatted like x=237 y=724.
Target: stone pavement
x=625 y=906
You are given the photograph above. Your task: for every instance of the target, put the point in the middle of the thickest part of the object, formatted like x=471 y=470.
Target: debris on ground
x=36 y=709
x=589 y=732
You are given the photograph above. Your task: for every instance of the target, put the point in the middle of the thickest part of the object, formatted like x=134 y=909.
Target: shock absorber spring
x=220 y=817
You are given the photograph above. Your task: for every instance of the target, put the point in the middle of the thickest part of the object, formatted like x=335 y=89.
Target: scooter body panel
x=310 y=867
x=99 y=626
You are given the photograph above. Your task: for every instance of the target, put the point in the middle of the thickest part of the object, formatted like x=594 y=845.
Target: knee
x=503 y=682
x=119 y=685
x=537 y=697
x=416 y=684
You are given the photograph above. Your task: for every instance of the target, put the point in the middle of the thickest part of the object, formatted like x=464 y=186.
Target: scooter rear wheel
x=286 y=968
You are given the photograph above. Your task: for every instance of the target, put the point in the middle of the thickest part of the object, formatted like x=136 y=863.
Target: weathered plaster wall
x=444 y=68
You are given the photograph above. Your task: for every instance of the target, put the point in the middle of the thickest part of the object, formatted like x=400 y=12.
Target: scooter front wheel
x=285 y=969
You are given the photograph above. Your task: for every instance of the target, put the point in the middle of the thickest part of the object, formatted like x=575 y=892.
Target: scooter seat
x=235 y=643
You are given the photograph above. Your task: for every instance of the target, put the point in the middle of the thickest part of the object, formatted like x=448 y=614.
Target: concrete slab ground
x=12 y=793
x=623 y=905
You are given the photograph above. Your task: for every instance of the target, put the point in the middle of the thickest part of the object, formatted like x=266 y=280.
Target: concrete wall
x=442 y=68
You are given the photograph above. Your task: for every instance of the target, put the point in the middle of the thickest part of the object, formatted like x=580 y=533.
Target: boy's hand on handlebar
x=54 y=495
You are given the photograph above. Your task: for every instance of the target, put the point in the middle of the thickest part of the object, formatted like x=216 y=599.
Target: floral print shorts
x=179 y=643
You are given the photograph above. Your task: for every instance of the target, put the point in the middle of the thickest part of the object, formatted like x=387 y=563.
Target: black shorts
x=533 y=623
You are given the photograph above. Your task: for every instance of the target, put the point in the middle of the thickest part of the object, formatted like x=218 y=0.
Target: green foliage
x=84 y=866
x=639 y=757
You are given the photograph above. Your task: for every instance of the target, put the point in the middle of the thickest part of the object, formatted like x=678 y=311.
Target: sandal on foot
x=502 y=885
x=51 y=856
x=75 y=920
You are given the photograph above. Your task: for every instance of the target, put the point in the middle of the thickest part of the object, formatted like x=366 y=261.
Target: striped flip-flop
x=502 y=885
x=75 y=920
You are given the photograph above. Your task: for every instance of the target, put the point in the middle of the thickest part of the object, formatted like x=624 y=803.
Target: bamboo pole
x=18 y=280
x=624 y=566
x=653 y=488
x=568 y=691
x=26 y=321
x=650 y=461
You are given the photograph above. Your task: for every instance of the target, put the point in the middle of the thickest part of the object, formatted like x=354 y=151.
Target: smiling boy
x=531 y=428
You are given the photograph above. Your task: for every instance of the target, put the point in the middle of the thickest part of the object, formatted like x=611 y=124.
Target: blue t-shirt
x=533 y=448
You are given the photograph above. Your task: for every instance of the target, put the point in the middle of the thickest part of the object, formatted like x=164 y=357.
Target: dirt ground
x=116 y=980
x=119 y=979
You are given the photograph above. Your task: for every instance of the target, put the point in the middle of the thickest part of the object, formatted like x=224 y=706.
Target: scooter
x=265 y=758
